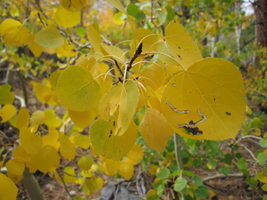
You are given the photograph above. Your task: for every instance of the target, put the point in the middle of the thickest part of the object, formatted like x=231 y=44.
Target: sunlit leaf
x=23 y=118
x=49 y=38
x=15 y=167
x=107 y=144
x=30 y=142
x=67 y=149
x=153 y=76
x=123 y=97
x=77 y=90
x=6 y=96
x=135 y=155
x=37 y=118
x=8 y=190
x=7 y=112
x=20 y=155
x=73 y=5
x=182 y=46
x=94 y=38
x=112 y=166
x=82 y=141
x=51 y=119
x=66 y=50
x=13 y=33
x=155 y=134
x=82 y=119
x=69 y=175
x=85 y=162
x=89 y=186
x=207 y=101
x=51 y=138
x=35 y=48
x=126 y=170
x=43 y=93
x=117 y=4
x=46 y=159
x=67 y=18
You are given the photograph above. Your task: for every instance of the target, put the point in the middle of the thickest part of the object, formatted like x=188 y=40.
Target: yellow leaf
x=117 y=4
x=42 y=92
x=23 y=118
x=151 y=194
x=13 y=33
x=46 y=159
x=82 y=118
x=85 y=162
x=149 y=44
x=153 y=76
x=182 y=46
x=152 y=99
x=14 y=167
x=94 y=38
x=89 y=186
x=207 y=101
x=82 y=141
x=53 y=79
x=153 y=169
x=66 y=50
x=51 y=138
x=109 y=145
x=30 y=141
x=51 y=119
x=37 y=118
x=7 y=112
x=126 y=170
x=99 y=183
x=77 y=90
x=155 y=134
x=16 y=179
x=125 y=99
x=73 y=5
x=90 y=63
x=6 y=96
x=135 y=155
x=67 y=149
x=20 y=155
x=8 y=190
x=49 y=38
x=67 y=18
x=112 y=166
x=35 y=48
x=262 y=177
x=114 y=51
x=69 y=175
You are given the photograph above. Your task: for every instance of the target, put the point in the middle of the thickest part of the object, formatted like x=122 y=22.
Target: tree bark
x=260 y=7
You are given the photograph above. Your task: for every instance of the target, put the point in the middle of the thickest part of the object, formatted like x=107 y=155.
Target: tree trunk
x=260 y=7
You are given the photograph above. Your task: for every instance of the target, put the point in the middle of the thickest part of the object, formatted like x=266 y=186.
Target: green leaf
x=77 y=90
x=6 y=96
x=242 y=163
x=211 y=165
x=180 y=184
x=261 y=157
x=263 y=143
x=132 y=9
x=224 y=170
x=198 y=181
x=256 y=123
x=202 y=192
x=49 y=38
x=163 y=173
x=188 y=173
x=227 y=159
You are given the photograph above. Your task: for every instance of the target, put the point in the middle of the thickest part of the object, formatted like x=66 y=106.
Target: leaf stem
x=178 y=151
x=31 y=185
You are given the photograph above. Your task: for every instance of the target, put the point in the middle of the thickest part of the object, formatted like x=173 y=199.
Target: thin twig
x=222 y=176
x=63 y=182
x=251 y=154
